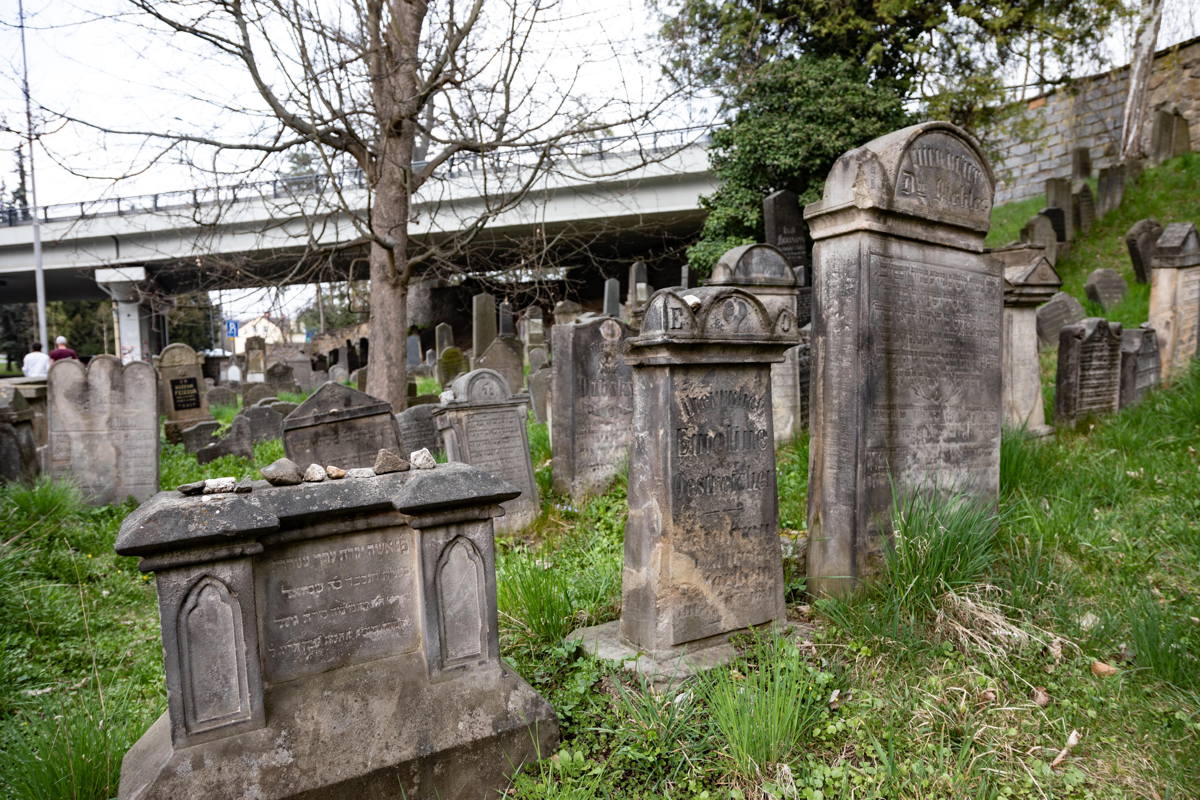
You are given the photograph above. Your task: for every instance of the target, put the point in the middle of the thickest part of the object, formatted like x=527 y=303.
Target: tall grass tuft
x=764 y=717
x=1022 y=460
x=40 y=510
x=533 y=599
x=1165 y=643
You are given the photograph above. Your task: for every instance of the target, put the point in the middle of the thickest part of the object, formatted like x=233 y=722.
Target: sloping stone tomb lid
x=335 y=402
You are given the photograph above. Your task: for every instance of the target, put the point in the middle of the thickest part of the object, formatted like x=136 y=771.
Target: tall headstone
x=183 y=393
x=1081 y=163
x=505 y=323
x=256 y=359
x=443 y=337
x=612 y=298
x=483 y=323
x=763 y=271
x=1062 y=309
x=540 y=382
x=536 y=358
x=566 y=312
x=1039 y=231
x=1029 y=281
x=417 y=429
x=340 y=426
x=1140 y=239
x=412 y=350
x=506 y=356
x=1106 y=287
x=1058 y=219
x=281 y=377
x=18 y=448
x=1175 y=297
x=1089 y=370
x=1181 y=140
x=592 y=396
x=906 y=342
x=685 y=277
x=483 y=425
x=334 y=639
x=702 y=554
x=1084 y=205
x=1139 y=364
x=785 y=228
x=450 y=364
x=535 y=327
x=1059 y=195
x=1169 y=136
x=1110 y=190
x=104 y=427
x=302 y=371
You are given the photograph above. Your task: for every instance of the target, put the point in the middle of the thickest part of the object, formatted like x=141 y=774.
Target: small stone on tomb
x=387 y=461
x=422 y=459
x=335 y=473
x=692 y=300
x=360 y=472
x=315 y=473
x=244 y=486
x=220 y=485
x=189 y=489
x=282 y=472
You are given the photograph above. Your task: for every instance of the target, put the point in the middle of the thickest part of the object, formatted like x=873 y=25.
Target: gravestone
x=1039 y=231
x=338 y=373
x=1169 y=136
x=483 y=323
x=281 y=377
x=181 y=382
x=430 y=358
x=233 y=375
x=358 y=379
x=332 y=640
x=256 y=359
x=237 y=441
x=443 y=337
x=592 y=399
x=1110 y=190
x=907 y=371
x=252 y=393
x=612 y=298
x=1106 y=287
x=302 y=372
x=450 y=364
x=1062 y=309
x=1081 y=163
x=1059 y=195
x=535 y=327
x=763 y=271
x=1181 y=142
x=566 y=312
x=417 y=429
x=103 y=421
x=536 y=358
x=18 y=448
x=1029 y=281
x=1084 y=207
x=199 y=435
x=483 y=424
x=340 y=426
x=1141 y=239
x=221 y=396
x=1139 y=364
x=506 y=356
x=539 y=393
x=804 y=374
x=685 y=277
x=505 y=325
x=637 y=292
x=702 y=553
x=412 y=350
x=1058 y=220
x=266 y=424
x=1089 y=370
x=1175 y=297
x=35 y=394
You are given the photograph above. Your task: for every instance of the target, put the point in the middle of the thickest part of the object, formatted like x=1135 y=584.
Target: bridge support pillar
x=132 y=328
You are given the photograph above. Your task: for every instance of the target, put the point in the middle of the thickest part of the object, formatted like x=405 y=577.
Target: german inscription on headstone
x=340 y=426
x=1139 y=364
x=1089 y=370
x=183 y=389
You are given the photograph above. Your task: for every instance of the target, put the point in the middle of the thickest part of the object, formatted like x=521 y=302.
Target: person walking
x=36 y=363
x=61 y=350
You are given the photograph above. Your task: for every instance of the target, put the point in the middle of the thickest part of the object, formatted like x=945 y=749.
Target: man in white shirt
x=36 y=363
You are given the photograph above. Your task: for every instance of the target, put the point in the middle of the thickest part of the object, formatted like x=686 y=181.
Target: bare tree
x=1137 y=101
x=422 y=100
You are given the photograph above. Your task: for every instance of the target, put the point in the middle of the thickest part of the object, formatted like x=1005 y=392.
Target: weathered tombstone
x=1058 y=219
x=237 y=441
x=302 y=372
x=612 y=298
x=1169 y=136
x=430 y=358
x=1089 y=370
x=281 y=377
x=1039 y=231
x=702 y=554
x=182 y=388
x=1062 y=309
x=339 y=374
x=804 y=374
x=1059 y=195
x=450 y=364
x=1106 y=287
x=906 y=342
x=199 y=435
x=266 y=424
x=1081 y=163
x=283 y=408
x=359 y=379
x=18 y=448
x=1175 y=297
x=1141 y=239
x=1084 y=206
x=483 y=425
x=1181 y=141
x=537 y=359
x=412 y=350
x=233 y=375
x=593 y=402
x=505 y=324
x=1139 y=364
x=104 y=427
x=252 y=393
x=483 y=323
x=637 y=292
x=685 y=276
x=332 y=640
x=417 y=429
x=763 y=271
x=340 y=426
x=566 y=312
x=539 y=393
x=535 y=327
x=1111 y=189
x=1029 y=281
x=256 y=359
x=506 y=356
x=221 y=396
x=443 y=337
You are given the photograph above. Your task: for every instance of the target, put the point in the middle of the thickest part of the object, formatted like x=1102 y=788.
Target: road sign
x=231 y=328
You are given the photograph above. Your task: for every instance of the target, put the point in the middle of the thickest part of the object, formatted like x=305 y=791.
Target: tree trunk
x=1137 y=101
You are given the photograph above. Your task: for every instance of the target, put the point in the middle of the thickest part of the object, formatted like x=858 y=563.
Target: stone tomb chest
x=332 y=640
x=339 y=426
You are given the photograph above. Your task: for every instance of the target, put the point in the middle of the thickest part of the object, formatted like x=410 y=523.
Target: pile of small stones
x=285 y=472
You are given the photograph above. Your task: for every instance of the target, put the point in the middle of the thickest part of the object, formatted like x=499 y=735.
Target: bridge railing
x=296 y=186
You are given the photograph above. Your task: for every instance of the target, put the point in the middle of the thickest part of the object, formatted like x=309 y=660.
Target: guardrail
x=293 y=186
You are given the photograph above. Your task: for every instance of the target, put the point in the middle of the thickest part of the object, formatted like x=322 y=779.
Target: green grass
x=1010 y=218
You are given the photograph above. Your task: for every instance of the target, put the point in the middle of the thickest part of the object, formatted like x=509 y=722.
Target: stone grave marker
x=1081 y=163
x=685 y=277
x=338 y=373
x=18 y=447
x=539 y=393
x=1106 y=287
x=506 y=356
x=237 y=441
x=1141 y=239
x=593 y=402
x=702 y=553
x=412 y=350
x=535 y=327
x=199 y=435
x=281 y=377
x=1084 y=206
x=103 y=422
x=221 y=396
x=266 y=424
x=233 y=375
x=417 y=429
x=1089 y=370
x=340 y=426
x=252 y=393
x=450 y=364
x=332 y=640
x=483 y=323
x=1139 y=364
x=566 y=312
x=1175 y=297
x=302 y=372
x=1111 y=189
x=359 y=379
x=256 y=359
x=35 y=394
x=1029 y=281
x=907 y=372
x=1169 y=136
x=1062 y=309
x=443 y=337
x=483 y=424
x=1039 y=231
x=637 y=292
x=183 y=393
x=537 y=358
x=1059 y=195
x=612 y=298
x=1058 y=219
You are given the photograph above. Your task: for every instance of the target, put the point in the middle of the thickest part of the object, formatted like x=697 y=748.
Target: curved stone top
x=712 y=314
x=933 y=170
x=753 y=265
x=480 y=387
x=177 y=354
x=104 y=372
x=170 y=521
